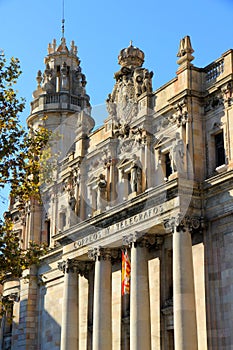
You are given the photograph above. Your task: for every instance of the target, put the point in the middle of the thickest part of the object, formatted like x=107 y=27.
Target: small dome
x=131 y=57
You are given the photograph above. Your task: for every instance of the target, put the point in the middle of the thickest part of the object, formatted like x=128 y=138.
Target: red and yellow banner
x=125 y=273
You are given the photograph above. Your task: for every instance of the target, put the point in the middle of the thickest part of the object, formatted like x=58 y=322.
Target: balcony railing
x=214 y=70
x=56 y=98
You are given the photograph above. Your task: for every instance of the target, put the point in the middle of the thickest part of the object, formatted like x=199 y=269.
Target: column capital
x=100 y=253
x=138 y=239
x=179 y=223
x=75 y=266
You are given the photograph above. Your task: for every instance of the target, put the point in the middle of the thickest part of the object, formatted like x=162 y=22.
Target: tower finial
x=63 y=18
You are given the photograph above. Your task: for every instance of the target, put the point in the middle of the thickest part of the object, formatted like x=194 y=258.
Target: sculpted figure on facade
x=111 y=106
x=181 y=115
x=131 y=81
x=147 y=83
x=178 y=154
x=72 y=187
x=48 y=85
x=143 y=81
x=136 y=176
x=101 y=191
x=79 y=82
x=227 y=92
x=64 y=77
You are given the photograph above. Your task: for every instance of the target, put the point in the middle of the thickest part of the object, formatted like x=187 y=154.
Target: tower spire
x=63 y=18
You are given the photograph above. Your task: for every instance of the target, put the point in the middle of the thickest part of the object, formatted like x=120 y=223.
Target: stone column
x=140 y=329
x=90 y=309
x=185 y=325
x=102 y=309
x=70 y=327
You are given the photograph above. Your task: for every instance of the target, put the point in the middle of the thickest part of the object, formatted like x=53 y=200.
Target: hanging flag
x=125 y=273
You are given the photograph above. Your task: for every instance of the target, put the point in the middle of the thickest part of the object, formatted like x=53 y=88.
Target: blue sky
x=101 y=29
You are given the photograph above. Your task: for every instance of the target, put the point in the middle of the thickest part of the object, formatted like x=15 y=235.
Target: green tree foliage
x=20 y=149
x=20 y=152
x=13 y=258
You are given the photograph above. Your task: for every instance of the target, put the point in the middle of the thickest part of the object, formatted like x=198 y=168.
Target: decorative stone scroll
x=100 y=253
x=181 y=117
x=214 y=101
x=227 y=91
x=190 y=223
x=138 y=239
x=75 y=266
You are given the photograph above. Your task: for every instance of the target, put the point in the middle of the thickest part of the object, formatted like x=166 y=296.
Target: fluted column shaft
x=140 y=330
x=102 y=309
x=70 y=326
x=185 y=327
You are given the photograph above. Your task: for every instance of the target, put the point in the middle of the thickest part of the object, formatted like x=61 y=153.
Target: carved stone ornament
x=75 y=266
x=140 y=240
x=99 y=253
x=190 y=223
x=214 y=102
x=227 y=94
x=131 y=82
x=129 y=137
x=185 y=50
x=181 y=116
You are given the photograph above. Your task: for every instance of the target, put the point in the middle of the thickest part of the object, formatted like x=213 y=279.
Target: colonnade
x=185 y=328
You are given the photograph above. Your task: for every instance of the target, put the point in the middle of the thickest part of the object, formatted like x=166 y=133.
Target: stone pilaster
x=140 y=330
x=102 y=309
x=185 y=324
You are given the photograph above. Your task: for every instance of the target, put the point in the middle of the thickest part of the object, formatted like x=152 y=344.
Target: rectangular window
x=48 y=231
x=219 y=149
x=168 y=167
x=129 y=183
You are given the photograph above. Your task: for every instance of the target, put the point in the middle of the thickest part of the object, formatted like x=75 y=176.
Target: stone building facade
x=151 y=189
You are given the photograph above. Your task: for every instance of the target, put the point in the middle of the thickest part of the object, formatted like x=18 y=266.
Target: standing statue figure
x=111 y=106
x=102 y=184
x=147 y=86
x=135 y=177
x=64 y=77
x=138 y=83
x=47 y=85
x=178 y=154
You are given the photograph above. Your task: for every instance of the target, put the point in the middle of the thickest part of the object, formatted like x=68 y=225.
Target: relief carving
x=180 y=222
x=131 y=82
x=227 y=94
x=178 y=154
x=181 y=116
x=75 y=266
x=214 y=102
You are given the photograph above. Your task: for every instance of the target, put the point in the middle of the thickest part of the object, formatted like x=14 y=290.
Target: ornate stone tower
x=61 y=88
x=61 y=104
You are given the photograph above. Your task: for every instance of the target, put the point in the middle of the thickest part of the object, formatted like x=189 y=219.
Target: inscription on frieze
x=136 y=219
